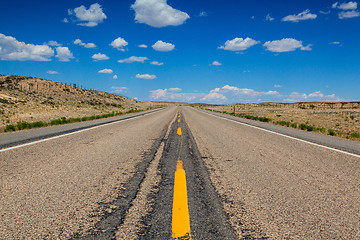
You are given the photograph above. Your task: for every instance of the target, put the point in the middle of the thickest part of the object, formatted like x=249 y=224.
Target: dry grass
x=342 y=117
x=33 y=99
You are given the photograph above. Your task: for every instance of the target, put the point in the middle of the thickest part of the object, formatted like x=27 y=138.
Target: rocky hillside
x=34 y=99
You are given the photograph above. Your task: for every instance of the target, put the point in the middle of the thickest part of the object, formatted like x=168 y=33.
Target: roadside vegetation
x=302 y=126
x=63 y=120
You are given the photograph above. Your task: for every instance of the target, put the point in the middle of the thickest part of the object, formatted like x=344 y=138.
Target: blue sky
x=196 y=51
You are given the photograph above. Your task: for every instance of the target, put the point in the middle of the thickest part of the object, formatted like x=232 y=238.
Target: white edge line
x=280 y=134
x=68 y=134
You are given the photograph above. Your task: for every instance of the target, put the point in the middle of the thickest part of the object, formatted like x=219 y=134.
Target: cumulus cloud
x=305 y=15
x=216 y=63
x=133 y=59
x=157 y=13
x=173 y=94
x=349 y=14
x=119 y=89
x=99 y=57
x=53 y=43
x=229 y=93
x=286 y=45
x=315 y=96
x=214 y=96
x=115 y=77
x=163 y=46
x=108 y=71
x=345 y=6
x=52 y=72
x=88 y=17
x=239 y=44
x=268 y=18
x=85 y=45
x=157 y=63
x=145 y=76
x=64 y=54
x=119 y=43
x=13 y=50
x=142 y=46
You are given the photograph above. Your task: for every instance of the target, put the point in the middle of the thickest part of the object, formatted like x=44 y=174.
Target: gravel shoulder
x=277 y=188
x=62 y=187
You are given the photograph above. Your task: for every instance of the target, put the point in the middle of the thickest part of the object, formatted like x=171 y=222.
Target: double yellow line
x=180 y=212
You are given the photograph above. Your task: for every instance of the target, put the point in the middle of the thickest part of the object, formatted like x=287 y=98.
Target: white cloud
x=133 y=59
x=13 y=50
x=64 y=54
x=233 y=94
x=163 y=46
x=100 y=57
x=145 y=76
x=65 y=20
x=345 y=6
x=268 y=18
x=325 y=12
x=214 y=96
x=216 y=63
x=88 y=17
x=115 y=77
x=239 y=44
x=86 y=45
x=108 y=71
x=305 y=15
x=286 y=45
x=277 y=86
x=119 y=43
x=157 y=63
x=203 y=14
x=53 y=43
x=52 y=72
x=175 y=89
x=349 y=14
x=157 y=13
x=173 y=94
x=119 y=89
x=335 y=43
x=315 y=96
x=142 y=46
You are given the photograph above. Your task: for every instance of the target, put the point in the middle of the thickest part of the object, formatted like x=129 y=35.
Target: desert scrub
x=331 y=132
x=355 y=135
x=10 y=128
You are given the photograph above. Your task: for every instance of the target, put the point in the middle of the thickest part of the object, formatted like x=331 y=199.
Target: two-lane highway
x=181 y=173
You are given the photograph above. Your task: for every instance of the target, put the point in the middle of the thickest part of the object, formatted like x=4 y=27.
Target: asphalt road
x=188 y=174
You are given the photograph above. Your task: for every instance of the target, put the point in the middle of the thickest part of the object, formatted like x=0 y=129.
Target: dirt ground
x=342 y=117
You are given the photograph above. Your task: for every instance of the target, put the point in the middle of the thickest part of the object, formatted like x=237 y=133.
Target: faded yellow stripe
x=180 y=213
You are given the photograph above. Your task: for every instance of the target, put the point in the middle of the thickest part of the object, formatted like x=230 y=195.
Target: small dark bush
x=23 y=125
x=10 y=128
x=331 y=132
x=355 y=135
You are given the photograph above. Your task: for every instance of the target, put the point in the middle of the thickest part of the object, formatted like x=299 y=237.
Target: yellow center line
x=178 y=120
x=180 y=213
x=179 y=131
